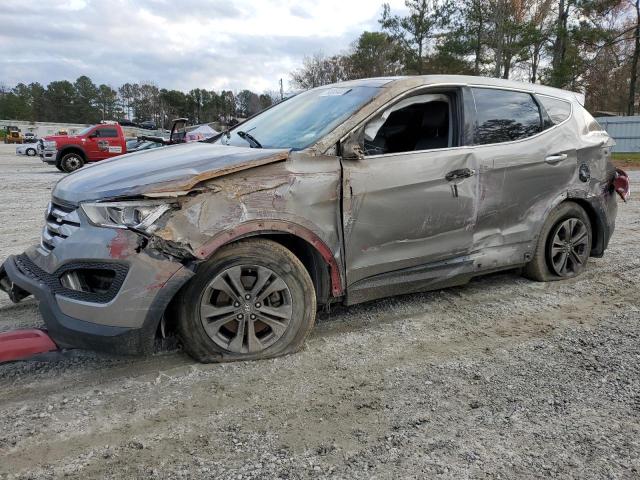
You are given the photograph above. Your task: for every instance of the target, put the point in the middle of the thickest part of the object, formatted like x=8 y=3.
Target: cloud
x=300 y=11
x=214 y=44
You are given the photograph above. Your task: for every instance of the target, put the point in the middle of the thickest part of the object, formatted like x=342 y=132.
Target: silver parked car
x=344 y=193
x=29 y=149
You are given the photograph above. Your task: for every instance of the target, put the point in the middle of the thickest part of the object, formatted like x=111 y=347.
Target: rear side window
x=504 y=116
x=558 y=110
x=107 y=132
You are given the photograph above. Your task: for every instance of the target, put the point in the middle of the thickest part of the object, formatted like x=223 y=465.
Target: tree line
x=83 y=101
x=591 y=46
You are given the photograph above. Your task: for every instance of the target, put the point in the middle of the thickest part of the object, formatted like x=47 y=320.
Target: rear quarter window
x=504 y=116
x=557 y=109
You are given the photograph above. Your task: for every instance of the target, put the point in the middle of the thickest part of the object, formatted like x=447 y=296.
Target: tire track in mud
x=501 y=333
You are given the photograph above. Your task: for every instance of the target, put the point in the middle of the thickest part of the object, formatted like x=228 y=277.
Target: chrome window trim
x=531 y=92
x=460 y=147
x=562 y=100
x=396 y=99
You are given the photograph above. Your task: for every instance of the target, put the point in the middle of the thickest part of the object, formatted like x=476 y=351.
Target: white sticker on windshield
x=335 y=92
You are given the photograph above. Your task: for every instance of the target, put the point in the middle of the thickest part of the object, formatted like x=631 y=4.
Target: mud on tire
x=253 y=299
x=565 y=240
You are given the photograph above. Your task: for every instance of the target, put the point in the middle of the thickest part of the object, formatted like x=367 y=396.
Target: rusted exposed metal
x=187 y=183
x=257 y=227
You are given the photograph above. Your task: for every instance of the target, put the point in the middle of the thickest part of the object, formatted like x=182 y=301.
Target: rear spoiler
x=579 y=97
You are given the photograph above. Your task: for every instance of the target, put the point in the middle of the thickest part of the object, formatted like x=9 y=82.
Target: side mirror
x=353 y=147
x=93 y=135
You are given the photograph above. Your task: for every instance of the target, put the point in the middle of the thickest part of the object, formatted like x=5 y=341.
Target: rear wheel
x=254 y=299
x=71 y=162
x=564 y=245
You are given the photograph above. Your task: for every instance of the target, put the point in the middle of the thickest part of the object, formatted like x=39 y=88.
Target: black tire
x=31 y=152
x=247 y=256
x=71 y=162
x=544 y=266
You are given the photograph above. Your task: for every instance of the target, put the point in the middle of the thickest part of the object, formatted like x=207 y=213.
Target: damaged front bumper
x=99 y=288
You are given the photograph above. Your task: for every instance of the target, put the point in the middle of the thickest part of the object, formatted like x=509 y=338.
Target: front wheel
x=254 y=299
x=71 y=162
x=564 y=245
x=31 y=152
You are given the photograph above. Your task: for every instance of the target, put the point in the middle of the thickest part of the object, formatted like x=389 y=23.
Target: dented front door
x=407 y=209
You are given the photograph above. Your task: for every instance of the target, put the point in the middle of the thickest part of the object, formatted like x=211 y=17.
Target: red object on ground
x=621 y=184
x=21 y=344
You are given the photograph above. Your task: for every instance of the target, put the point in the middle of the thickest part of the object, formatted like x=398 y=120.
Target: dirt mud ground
x=502 y=378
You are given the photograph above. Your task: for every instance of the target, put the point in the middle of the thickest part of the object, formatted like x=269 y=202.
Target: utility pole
x=281 y=91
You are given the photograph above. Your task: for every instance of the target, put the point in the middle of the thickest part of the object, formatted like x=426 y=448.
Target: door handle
x=557 y=158
x=460 y=173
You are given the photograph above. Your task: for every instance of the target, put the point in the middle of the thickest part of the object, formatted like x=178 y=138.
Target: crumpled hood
x=166 y=169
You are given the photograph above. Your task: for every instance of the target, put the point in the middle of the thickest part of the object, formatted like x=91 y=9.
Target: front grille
x=117 y=271
x=61 y=222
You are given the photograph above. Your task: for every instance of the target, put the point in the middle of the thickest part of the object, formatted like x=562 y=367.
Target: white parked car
x=28 y=149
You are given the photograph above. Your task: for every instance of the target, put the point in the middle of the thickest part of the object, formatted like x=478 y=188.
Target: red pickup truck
x=70 y=152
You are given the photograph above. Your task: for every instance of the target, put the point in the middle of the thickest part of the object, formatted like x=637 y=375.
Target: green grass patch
x=632 y=157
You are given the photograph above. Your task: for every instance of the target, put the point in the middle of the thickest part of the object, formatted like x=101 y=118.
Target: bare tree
x=631 y=105
x=319 y=70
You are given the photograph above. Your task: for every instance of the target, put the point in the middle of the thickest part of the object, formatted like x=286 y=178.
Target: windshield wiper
x=249 y=138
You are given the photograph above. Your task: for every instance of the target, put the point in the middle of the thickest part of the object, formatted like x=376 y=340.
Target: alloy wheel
x=246 y=308
x=72 y=163
x=568 y=248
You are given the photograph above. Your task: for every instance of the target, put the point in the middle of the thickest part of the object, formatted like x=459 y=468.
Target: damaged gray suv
x=347 y=192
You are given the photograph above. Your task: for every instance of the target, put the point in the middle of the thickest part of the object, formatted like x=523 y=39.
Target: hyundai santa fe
x=344 y=193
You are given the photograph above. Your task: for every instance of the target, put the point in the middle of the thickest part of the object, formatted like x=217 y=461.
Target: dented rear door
x=523 y=172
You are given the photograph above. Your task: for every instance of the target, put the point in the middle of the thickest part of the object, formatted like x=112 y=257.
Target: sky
x=176 y=44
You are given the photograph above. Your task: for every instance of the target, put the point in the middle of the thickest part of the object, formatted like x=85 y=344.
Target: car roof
x=409 y=82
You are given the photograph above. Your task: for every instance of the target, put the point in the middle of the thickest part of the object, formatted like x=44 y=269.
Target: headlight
x=135 y=214
x=49 y=144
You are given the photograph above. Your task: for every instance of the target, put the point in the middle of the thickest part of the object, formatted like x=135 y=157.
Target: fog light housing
x=89 y=280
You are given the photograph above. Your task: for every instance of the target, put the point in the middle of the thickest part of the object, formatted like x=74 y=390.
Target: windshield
x=84 y=131
x=302 y=120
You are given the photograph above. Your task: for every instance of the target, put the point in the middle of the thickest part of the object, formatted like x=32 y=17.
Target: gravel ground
x=501 y=378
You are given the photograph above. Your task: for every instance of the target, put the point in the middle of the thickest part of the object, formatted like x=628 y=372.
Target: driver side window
x=420 y=122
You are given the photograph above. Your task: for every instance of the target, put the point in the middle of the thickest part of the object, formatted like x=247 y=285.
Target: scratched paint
x=119 y=247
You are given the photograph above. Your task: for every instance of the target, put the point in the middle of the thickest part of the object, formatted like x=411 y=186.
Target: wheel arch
x=310 y=249
x=71 y=149
x=598 y=225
